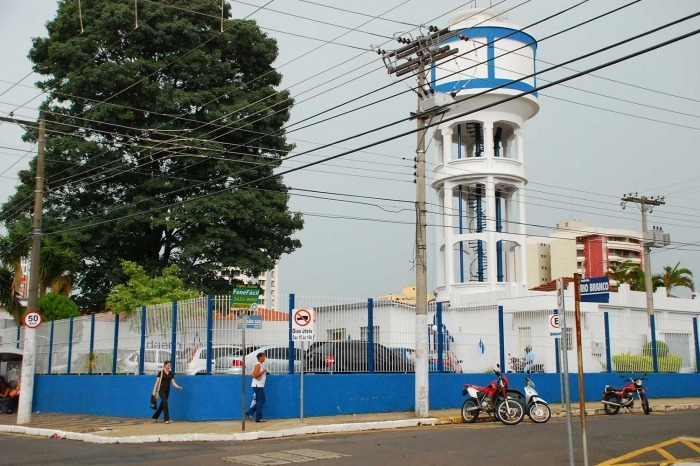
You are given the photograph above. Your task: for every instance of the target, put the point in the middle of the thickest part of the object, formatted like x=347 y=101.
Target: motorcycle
x=615 y=398
x=536 y=408
x=518 y=365
x=493 y=400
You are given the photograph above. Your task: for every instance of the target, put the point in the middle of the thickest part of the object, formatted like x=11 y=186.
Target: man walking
x=259 y=374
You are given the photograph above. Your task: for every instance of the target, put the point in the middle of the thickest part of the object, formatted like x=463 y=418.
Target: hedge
x=627 y=362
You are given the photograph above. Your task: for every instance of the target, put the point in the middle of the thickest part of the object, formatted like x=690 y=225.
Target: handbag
x=154 y=396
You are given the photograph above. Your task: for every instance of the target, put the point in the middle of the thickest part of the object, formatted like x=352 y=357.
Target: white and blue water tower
x=479 y=173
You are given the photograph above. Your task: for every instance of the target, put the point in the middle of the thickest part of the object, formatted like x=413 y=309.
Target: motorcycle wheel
x=510 y=412
x=645 y=403
x=470 y=410
x=539 y=412
x=610 y=409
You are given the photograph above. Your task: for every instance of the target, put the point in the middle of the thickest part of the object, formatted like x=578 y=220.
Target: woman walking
x=162 y=388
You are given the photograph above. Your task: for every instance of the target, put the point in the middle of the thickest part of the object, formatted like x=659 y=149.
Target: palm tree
x=622 y=272
x=676 y=276
x=632 y=274
x=58 y=265
x=9 y=296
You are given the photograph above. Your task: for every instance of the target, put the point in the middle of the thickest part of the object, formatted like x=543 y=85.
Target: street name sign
x=594 y=290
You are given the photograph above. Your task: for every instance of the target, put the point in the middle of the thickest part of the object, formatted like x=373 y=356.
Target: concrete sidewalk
x=104 y=429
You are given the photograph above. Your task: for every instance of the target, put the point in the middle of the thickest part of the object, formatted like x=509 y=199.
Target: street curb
x=242 y=436
x=293 y=432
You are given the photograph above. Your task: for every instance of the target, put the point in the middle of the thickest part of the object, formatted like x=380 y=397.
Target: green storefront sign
x=244 y=296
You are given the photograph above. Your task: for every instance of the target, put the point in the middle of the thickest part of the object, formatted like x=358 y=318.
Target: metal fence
x=205 y=336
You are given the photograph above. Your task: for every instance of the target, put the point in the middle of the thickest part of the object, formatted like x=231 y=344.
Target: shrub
x=628 y=363
x=661 y=349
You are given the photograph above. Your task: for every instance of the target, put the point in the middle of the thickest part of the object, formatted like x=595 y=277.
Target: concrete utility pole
x=24 y=410
x=424 y=50
x=646 y=205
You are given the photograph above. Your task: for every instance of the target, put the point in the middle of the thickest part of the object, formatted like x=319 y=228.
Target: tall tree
x=677 y=276
x=161 y=143
x=142 y=290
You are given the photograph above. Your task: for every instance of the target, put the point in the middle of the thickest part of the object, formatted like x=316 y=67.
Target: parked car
x=197 y=358
x=153 y=361
x=450 y=363
x=351 y=356
x=99 y=362
x=408 y=355
x=276 y=361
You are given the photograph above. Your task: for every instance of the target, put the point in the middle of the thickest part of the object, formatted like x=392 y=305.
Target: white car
x=153 y=361
x=276 y=361
x=197 y=358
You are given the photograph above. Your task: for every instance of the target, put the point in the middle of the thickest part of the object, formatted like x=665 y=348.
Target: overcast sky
x=632 y=127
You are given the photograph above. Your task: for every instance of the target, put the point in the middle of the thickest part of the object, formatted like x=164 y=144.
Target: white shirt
x=259 y=382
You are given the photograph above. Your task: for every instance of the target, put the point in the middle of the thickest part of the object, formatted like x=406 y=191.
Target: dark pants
x=5 y=405
x=259 y=402
x=163 y=406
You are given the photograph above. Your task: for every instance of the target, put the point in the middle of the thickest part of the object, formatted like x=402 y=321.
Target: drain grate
x=284 y=457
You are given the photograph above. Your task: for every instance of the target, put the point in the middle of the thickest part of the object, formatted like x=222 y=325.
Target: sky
x=629 y=128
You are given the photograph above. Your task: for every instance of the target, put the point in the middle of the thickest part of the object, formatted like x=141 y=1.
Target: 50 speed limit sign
x=32 y=319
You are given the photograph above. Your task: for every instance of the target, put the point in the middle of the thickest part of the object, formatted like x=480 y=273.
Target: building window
x=364 y=335
x=336 y=334
x=568 y=335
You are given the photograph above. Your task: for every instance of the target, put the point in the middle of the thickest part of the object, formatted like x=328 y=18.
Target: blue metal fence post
x=697 y=344
x=173 y=340
x=92 y=343
x=51 y=347
x=608 y=360
x=654 y=356
x=501 y=338
x=70 y=344
x=142 y=350
x=557 y=363
x=441 y=340
x=291 y=341
x=370 y=335
x=210 y=329
x=116 y=343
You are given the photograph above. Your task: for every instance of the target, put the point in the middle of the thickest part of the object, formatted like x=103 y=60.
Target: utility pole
x=422 y=51
x=24 y=410
x=646 y=205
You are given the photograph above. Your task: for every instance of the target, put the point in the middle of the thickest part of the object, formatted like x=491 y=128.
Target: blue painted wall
x=218 y=397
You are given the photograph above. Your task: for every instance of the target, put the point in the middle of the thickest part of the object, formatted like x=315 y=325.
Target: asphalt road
x=608 y=437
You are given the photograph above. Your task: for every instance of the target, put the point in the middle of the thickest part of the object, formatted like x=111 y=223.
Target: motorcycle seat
x=609 y=389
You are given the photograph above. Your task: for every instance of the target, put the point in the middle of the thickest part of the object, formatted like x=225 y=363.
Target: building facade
x=577 y=247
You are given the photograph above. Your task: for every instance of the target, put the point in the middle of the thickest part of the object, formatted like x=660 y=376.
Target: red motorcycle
x=615 y=398
x=492 y=399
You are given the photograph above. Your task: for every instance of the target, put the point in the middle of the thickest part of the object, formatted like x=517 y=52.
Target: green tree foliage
x=55 y=306
x=161 y=142
x=677 y=276
x=142 y=290
x=632 y=274
x=9 y=296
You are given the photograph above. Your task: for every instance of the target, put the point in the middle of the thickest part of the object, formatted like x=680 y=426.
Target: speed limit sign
x=32 y=319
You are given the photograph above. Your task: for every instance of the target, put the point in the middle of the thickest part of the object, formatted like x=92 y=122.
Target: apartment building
x=578 y=247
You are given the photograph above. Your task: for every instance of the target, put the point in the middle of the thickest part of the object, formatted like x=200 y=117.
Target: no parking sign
x=302 y=324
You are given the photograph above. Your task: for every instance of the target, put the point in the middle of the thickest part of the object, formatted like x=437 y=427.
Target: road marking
x=692 y=444
x=284 y=457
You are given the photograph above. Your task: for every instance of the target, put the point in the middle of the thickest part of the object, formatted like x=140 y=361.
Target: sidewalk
x=104 y=429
